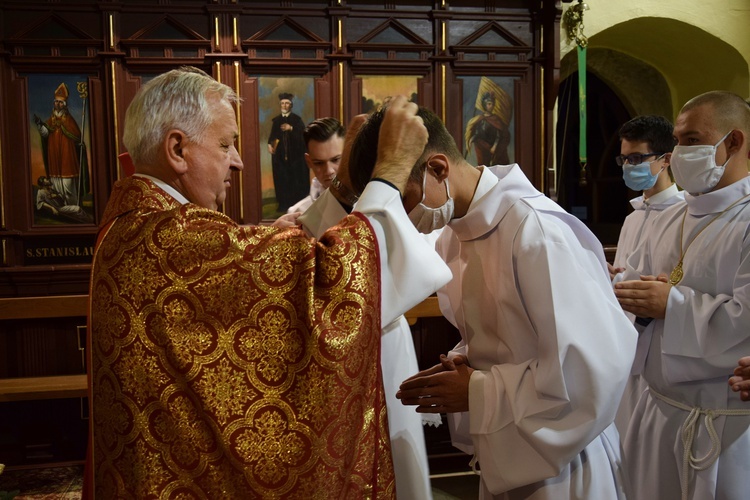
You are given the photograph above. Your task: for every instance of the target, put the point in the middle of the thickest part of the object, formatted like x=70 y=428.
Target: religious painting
x=375 y=88
x=285 y=105
x=2 y=208
x=60 y=141
x=489 y=129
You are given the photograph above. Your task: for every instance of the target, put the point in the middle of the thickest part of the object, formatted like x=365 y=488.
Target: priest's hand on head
x=444 y=388
x=401 y=142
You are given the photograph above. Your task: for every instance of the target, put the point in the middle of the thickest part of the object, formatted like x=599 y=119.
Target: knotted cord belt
x=689 y=430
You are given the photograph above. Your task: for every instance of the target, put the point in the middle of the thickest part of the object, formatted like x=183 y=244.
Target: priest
x=234 y=362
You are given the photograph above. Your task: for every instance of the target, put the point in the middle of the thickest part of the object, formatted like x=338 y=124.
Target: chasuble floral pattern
x=234 y=362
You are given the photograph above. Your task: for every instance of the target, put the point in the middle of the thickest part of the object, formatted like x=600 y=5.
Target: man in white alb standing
x=689 y=286
x=398 y=356
x=646 y=144
x=324 y=140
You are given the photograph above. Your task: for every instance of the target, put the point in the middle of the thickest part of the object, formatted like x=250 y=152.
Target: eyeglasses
x=634 y=159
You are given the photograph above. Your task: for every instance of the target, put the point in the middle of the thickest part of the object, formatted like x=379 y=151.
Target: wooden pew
x=428 y=308
x=52 y=387
x=60 y=306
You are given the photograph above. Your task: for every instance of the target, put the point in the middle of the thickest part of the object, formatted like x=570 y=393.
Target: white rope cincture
x=473 y=464
x=689 y=430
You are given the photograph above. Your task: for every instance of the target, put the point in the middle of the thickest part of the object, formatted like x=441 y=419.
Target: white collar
x=166 y=187
x=487 y=181
x=662 y=196
x=716 y=201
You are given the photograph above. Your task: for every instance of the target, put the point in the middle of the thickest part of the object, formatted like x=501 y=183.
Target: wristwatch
x=344 y=192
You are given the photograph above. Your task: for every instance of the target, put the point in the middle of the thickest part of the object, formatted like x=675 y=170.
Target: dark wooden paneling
x=119 y=43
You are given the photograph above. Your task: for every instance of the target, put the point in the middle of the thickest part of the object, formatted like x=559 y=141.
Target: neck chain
x=676 y=275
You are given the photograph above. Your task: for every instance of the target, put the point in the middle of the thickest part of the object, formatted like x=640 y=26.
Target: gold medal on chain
x=676 y=275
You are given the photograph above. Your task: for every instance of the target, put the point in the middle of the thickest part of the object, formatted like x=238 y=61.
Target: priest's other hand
x=287 y=220
x=444 y=388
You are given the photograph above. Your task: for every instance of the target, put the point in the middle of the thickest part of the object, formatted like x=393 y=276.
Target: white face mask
x=695 y=169
x=427 y=219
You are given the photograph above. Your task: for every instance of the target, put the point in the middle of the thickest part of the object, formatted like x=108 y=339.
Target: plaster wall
x=697 y=45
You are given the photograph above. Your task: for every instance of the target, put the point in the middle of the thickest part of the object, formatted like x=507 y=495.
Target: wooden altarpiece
x=341 y=57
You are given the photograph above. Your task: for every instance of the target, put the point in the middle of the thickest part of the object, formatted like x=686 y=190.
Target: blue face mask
x=639 y=177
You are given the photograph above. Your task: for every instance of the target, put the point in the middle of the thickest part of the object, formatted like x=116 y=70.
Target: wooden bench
x=55 y=387
x=52 y=387
x=428 y=308
x=73 y=386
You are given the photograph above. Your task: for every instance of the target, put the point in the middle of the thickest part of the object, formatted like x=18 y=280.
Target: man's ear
x=440 y=166
x=668 y=159
x=735 y=141
x=174 y=142
x=308 y=161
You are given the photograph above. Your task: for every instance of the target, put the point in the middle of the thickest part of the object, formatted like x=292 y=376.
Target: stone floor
x=52 y=483
x=64 y=483
x=460 y=486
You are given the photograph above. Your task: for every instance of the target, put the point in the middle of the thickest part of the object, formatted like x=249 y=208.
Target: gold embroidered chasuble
x=233 y=362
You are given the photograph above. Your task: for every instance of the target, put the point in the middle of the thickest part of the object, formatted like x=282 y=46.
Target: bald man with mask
x=689 y=286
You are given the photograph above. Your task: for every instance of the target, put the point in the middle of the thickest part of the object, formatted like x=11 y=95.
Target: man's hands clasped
x=444 y=388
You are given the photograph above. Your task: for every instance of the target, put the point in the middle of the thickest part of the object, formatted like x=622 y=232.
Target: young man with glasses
x=646 y=144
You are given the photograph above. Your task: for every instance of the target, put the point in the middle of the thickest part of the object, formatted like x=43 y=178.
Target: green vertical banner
x=582 y=108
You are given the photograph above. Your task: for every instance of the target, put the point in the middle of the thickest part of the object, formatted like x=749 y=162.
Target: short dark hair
x=656 y=131
x=322 y=129
x=364 y=152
